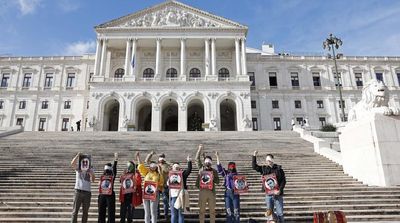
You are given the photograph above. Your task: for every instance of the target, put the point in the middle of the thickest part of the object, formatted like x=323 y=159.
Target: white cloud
x=68 y=5
x=79 y=48
x=28 y=6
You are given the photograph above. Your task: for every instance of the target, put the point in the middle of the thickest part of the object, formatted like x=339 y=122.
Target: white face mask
x=176 y=167
x=153 y=166
x=208 y=162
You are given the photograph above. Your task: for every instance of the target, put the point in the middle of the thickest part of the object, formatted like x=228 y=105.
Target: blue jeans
x=165 y=198
x=232 y=206
x=176 y=214
x=277 y=203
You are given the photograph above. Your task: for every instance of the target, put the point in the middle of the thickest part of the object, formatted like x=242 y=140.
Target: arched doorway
x=111 y=115
x=169 y=116
x=227 y=110
x=195 y=115
x=143 y=115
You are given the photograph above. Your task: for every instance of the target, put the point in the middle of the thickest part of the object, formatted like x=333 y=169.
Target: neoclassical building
x=172 y=67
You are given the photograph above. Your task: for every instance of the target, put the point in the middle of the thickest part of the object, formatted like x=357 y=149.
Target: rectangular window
x=20 y=121
x=1 y=104
x=379 y=76
x=45 y=104
x=252 y=79
x=42 y=122
x=320 y=104
x=275 y=104
x=340 y=104
x=338 y=79
x=297 y=104
x=294 y=76
x=345 y=117
x=359 y=80
x=70 y=80
x=67 y=104
x=22 y=105
x=253 y=104
x=322 y=121
x=316 y=80
x=27 y=80
x=273 y=82
x=90 y=76
x=48 y=82
x=398 y=78
x=64 y=126
x=255 y=124
x=4 y=80
x=300 y=121
x=277 y=124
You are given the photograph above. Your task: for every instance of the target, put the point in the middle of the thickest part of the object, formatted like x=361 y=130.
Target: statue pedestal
x=371 y=150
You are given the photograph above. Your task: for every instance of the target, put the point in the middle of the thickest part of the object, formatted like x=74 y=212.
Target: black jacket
x=186 y=173
x=265 y=170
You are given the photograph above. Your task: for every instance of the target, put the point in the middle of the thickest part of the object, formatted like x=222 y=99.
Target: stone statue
x=247 y=122
x=375 y=99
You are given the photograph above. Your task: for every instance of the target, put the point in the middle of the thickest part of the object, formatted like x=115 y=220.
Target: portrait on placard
x=270 y=183
x=150 y=190
x=85 y=162
x=106 y=185
x=128 y=183
x=206 y=180
x=240 y=184
x=175 y=179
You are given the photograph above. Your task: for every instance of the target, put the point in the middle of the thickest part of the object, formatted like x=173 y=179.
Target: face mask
x=153 y=166
x=176 y=167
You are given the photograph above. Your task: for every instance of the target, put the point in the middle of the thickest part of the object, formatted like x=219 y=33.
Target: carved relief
x=245 y=95
x=129 y=95
x=213 y=95
x=171 y=17
x=224 y=54
x=97 y=95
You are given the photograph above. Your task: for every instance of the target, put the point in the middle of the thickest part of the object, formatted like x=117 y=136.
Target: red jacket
x=137 y=195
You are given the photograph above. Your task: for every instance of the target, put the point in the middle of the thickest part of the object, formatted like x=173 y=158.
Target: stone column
x=237 y=53
x=182 y=118
x=133 y=58
x=127 y=56
x=207 y=57
x=183 y=59
x=158 y=57
x=244 y=63
x=213 y=58
x=98 y=58
x=103 y=58
x=156 y=118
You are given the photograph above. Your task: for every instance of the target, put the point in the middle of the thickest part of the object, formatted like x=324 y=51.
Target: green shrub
x=328 y=128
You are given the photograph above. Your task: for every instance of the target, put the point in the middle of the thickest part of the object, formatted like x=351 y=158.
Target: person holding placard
x=153 y=183
x=177 y=181
x=106 y=199
x=232 y=199
x=274 y=182
x=84 y=176
x=130 y=193
x=206 y=181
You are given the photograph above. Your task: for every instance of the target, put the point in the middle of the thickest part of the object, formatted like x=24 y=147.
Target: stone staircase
x=36 y=181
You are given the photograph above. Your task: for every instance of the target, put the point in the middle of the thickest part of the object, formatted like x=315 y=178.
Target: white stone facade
x=129 y=84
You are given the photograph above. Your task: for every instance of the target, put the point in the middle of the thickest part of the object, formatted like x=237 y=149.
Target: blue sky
x=65 y=27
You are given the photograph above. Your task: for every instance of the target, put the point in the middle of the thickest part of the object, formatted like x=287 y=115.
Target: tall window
x=294 y=76
x=172 y=73
x=48 y=82
x=67 y=104
x=340 y=104
x=300 y=120
x=277 y=124
x=4 y=80
x=253 y=104
x=255 y=124
x=223 y=74
x=322 y=121
x=70 y=80
x=273 y=82
x=316 y=80
x=379 y=76
x=252 y=79
x=194 y=73
x=275 y=104
x=42 y=122
x=398 y=78
x=22 y=105
x=320 y=104
x=359 y=80
x=119 y=73
x=27 y=80
x=1 y=104
x=297 y=104
x=338 y=78
x=20 y=121
x=45 y=104
x=148 y=73
x=64 y=125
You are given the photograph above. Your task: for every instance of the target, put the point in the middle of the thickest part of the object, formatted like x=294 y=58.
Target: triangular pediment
x=171 y=14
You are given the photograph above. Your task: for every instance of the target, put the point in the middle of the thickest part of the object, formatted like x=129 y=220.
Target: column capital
x=213 y=39
x=243 y=39
x=158 y=39
x=183 y=38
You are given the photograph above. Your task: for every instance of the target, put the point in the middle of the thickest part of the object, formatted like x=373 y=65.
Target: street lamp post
x=331 y=43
